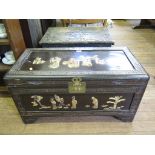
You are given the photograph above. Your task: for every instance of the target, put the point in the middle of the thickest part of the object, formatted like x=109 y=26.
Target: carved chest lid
x=87 y=62
x=75 y=35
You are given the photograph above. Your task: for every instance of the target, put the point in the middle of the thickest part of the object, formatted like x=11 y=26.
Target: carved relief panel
x=75 y=60
x=63 y=102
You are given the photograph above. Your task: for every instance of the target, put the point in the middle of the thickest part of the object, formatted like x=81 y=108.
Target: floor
x=142 y=43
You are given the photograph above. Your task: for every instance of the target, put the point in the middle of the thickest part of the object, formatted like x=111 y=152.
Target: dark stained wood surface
x=26 y=32
x=109 y=55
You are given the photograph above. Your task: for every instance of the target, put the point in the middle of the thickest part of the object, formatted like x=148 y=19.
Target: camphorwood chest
x=76 y=37
x=77 y=82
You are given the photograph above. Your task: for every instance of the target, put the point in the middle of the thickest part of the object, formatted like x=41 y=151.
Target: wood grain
x=15 y=36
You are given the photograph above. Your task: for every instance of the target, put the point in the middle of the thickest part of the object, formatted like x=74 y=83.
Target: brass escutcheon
x=77 y=86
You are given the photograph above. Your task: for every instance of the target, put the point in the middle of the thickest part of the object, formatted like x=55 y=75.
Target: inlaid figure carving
x=54 y=106
x=38 y=60
x=74 y=103
x=37 y=101
x=115 y=101
x=94 y=102
x=55 y=62
x=72 y=63
x=98 y=60
x=86 y=61
x=59 y=100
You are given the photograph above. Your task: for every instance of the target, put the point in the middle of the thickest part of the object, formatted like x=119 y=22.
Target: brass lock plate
x=76 y=86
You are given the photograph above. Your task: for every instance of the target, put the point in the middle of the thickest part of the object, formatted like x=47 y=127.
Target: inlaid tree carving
x=115 y=101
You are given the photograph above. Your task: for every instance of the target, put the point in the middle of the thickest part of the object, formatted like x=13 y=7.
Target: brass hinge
x=76 y=86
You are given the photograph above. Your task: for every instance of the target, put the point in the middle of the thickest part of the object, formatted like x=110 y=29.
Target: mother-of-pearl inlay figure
x=94 y=102
x=54 y=62
x=74 y=103
x=72 y=63
x=54 y=106
x=59 y=100
x=38 y=60
x=86 y=61
x=36 y=100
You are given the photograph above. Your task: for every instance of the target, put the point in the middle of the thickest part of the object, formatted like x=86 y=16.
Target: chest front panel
x=63 y=102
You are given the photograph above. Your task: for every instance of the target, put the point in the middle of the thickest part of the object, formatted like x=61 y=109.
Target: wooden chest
x=76 y=37
x=77 y=82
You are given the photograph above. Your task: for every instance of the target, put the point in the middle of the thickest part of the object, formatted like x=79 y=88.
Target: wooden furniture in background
x=66 y=22
x=76 y=37
x=14 y=42
x=34 y=29
x=46 y=23
x=15 y=36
